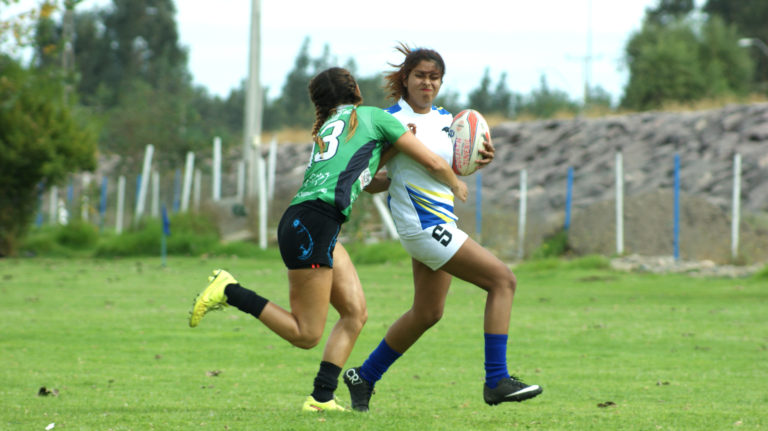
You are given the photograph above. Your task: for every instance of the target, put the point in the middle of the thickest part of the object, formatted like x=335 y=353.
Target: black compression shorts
x=307 y=234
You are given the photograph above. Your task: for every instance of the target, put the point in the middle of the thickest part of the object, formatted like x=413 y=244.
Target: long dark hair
x=329 y=89
x=394 y=80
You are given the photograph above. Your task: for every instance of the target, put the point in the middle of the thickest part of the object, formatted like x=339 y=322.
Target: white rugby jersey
x=416 y=199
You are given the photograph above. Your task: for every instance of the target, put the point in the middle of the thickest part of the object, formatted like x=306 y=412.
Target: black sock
x=245 y=300
x=326 y=381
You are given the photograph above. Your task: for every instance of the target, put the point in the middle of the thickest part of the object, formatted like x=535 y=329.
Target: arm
x=409 y=145
x=379 y=183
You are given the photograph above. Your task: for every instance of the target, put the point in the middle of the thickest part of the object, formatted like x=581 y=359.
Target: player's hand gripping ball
x=469 y=133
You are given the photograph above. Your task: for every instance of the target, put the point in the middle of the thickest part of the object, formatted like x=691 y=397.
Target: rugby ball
x=469 y=131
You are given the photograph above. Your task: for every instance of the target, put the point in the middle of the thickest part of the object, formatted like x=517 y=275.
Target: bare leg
x=430 y=291
x=348 y=299
x=476 y=265
x=310 y=293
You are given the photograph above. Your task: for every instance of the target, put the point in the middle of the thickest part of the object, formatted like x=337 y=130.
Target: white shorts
x=435 y=245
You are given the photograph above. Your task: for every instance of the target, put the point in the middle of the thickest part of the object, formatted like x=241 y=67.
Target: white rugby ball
x=469 y=131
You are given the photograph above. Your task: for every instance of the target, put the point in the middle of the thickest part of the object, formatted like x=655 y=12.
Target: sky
x=524 y=39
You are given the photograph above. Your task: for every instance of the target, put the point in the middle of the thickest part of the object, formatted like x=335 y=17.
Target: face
x=422 y=85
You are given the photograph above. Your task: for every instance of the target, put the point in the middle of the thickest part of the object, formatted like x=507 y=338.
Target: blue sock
x=378 y=362
x=495 y=359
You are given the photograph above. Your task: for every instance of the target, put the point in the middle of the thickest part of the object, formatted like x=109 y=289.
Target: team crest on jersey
x=365 y=178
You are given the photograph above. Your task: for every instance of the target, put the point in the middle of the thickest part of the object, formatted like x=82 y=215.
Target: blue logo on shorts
x=308 y=244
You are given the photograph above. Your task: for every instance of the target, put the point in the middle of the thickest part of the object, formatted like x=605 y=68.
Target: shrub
x=190 y=235
x=762 y=274
x=77 y=235
x=553 y=246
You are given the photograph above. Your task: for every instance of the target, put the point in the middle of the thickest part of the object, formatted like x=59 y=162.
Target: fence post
x=197 y=193
x=241 y=181
x=386 y=217
x=521 y=216
x=736 y=206
x=271 y=166
x=155 y=207
x=216 y=169
x=187 y=188
x=676 y=228
x=39 y=216
x=85 y=201
x=176 y=190
x=144 y=183
x=619 y=204
x=103 y=203
x=53 y=204
x=568 y=199
x=120 y=204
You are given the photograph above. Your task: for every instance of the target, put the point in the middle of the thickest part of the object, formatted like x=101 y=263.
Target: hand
x=488 y=152
x=412 y=128
x=379 y=183
x=460 y=190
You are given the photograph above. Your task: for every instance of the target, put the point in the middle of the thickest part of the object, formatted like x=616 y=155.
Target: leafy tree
x=545 y=102
x=676 y=62
x=750 y=18
x=502 y=98
x=480 y=98
x=295 y=107
x=663 y=65
x=145 y=44
x=42 y=139
x=726 y=67
x=669 y=11
x=598 y=97
x=372 y=88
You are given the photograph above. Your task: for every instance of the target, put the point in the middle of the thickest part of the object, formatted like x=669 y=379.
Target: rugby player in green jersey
x=349 y=145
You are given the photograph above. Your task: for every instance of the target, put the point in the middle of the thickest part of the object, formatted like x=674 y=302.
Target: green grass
x=670 y=352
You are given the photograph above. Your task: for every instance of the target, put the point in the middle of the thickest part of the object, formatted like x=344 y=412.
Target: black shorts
x=307 y=234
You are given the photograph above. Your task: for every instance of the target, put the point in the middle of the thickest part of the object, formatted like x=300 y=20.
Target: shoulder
x=439 y=110
x=394 y=108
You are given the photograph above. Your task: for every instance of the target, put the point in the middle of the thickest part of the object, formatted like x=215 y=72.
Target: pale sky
x=525 y=39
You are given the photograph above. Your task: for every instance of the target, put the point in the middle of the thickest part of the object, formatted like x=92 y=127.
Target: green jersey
x=338 y=174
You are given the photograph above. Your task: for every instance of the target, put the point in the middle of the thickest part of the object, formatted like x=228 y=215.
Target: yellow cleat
x=213 y=297
x=312 y=405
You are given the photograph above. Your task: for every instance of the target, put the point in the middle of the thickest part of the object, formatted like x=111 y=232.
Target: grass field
x=612 y=351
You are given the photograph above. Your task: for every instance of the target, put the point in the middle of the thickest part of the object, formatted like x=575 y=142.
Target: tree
x=295 y=107
x=678 y=62
x=502 y=98
x=480 y=98
x=750 y=18
x=668 y=11
x=42 y=139
x=545 y=102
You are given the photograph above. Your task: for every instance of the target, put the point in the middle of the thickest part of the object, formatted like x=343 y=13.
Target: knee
x=357 y=318
x=510 y=281
x=355 y=315
x=506 y=282
x=427 y=318
x=306 y=343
